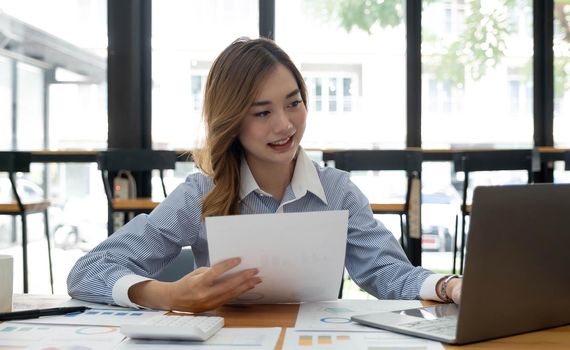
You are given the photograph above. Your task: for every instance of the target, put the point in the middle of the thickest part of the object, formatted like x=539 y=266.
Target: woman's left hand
x=454 y=289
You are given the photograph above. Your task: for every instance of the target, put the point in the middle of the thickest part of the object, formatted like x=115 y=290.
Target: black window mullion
x=129 y=74
x=414 y=99
x=413 y=73
x=267 y=19
x=543 y=74
x=129 y=80
x=543 y=64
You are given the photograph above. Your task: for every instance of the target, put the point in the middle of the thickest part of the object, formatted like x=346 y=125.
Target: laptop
x=516 y=276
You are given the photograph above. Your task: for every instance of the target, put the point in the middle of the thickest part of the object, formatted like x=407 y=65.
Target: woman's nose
x=281 y=123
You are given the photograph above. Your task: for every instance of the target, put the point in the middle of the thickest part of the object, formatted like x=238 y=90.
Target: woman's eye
x=295 y=103
x=262 y=114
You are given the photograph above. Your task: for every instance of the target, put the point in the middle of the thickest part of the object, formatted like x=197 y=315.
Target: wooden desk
x=285 y=316
x=280 y=315
x=552 y=153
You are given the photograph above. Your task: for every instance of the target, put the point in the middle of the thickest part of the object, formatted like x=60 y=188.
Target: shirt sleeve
x=374 y=258
x=428 y=292
x=120 y=291
x=141 y=249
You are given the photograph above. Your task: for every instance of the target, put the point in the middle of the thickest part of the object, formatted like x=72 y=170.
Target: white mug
x=6 y=282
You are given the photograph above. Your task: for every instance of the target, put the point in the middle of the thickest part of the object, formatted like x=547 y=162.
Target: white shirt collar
x=305 y=179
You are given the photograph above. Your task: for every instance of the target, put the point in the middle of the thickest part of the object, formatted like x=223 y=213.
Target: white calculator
x=175 y=328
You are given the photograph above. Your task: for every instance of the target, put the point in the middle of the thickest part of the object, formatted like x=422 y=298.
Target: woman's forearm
x=152 y=294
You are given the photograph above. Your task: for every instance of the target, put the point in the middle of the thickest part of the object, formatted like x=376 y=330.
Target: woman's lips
x=282 y=144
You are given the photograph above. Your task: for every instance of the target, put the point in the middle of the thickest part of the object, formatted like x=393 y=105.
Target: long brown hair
x=233 y=83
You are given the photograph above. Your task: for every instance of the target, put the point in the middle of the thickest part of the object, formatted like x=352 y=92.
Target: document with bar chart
x=382 y=340
x=53 y=337
x=98 y=317
x=225 y=339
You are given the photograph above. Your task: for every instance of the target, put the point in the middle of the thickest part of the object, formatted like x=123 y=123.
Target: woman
x=255 y=114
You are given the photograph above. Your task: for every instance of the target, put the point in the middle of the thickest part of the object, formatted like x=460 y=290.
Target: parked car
x=436 y=238
x=83 y=223
x=28 y=190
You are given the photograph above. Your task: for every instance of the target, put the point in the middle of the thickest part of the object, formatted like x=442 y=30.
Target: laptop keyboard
x=444 y=326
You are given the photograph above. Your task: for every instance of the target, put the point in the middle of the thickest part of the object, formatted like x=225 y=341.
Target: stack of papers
x=38 y=336
x=98 y=329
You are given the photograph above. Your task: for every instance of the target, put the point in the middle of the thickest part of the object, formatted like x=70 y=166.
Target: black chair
x=389 y=160
x=490 y=160
x=113 y=161
x=12 y=163
x=182 y=265
x=567 y=160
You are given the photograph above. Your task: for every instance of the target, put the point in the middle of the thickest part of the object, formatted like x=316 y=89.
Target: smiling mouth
x=282 y=141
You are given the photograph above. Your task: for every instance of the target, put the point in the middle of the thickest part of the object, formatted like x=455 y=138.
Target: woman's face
x=274 y=126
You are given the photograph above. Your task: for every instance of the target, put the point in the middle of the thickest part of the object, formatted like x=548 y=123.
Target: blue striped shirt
x=143 y=247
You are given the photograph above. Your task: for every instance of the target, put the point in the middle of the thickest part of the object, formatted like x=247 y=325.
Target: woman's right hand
x=198 y=291
x=201 y=290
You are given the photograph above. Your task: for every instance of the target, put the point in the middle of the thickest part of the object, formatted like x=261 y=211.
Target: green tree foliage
x=562 y=44
x=360 y=14
x=479 y=47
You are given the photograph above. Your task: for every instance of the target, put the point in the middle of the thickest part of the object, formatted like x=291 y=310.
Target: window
x=514 y=94
x=81 y=23
x=340 y=91
x=5 y=103
x=198 y=83
x=187 y=36
x=475 y=83
x=30 y=124
x=520 y=18
x=332 y=94
x=520 y=97
x=77 y=95
x=56 y=108
x=476 y=92
x=347 y=92
x=353 y=59
x=315 y=92
x=446 y=21
x=444 y=98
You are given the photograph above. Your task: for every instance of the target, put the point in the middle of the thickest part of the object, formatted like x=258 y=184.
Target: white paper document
x=38 y=301
x=300 y=256
x=383 y=340
x=77 y=302
x=335 y=315
x=225 y=339
x=42 y=301
x=98 y=317
x=30 y=336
